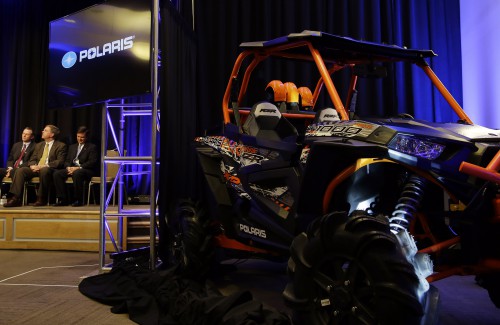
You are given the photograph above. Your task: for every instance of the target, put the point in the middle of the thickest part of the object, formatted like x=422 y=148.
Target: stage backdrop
x=193 y=82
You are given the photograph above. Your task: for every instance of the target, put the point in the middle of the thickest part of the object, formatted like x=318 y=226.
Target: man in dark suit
x=19 y=154
x=81 y=164
x=47 y=157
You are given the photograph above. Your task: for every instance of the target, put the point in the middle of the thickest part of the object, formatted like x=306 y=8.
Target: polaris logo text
x=108 y=48
x=253 y=231
x=69 y=59
x=268 y=110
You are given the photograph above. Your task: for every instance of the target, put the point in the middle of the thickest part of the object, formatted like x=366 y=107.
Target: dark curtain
x=23 y=56
x=193 y=85
x=179 y=114
x=196 y=66
x=179 y=106
x=221 y=25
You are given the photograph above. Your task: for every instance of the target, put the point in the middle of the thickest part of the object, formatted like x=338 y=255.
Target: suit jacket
x=15 y=152
x=88 y=157
x=57 y=154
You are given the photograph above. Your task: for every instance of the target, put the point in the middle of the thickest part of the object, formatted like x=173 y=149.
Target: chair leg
x=25 y=194
x=88 y=194
x=85 y=183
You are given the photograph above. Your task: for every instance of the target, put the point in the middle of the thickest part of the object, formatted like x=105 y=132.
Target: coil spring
x=407 y=205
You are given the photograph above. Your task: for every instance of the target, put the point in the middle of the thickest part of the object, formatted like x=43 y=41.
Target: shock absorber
x=411 y=196
x=407 y=205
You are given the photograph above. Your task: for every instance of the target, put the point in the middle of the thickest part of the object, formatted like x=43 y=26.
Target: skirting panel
x=54 y=229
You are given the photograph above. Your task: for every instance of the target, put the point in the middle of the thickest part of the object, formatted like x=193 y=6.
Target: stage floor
x=41 y=287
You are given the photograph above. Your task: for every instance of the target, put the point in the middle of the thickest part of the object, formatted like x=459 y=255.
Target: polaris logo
x=268 y=110
x=69 y=59
x=253 y=231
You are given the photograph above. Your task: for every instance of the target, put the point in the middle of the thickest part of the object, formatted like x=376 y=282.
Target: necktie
x=76 y=161
x=18 y=161
x=80 y=147
x=44 y=155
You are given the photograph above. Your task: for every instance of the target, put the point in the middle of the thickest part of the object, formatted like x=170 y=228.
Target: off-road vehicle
x=368 y=211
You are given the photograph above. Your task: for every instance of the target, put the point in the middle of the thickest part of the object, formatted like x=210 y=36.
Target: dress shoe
x=60 y=203
x=76 y=204
x=13 y=202
x=39 y=203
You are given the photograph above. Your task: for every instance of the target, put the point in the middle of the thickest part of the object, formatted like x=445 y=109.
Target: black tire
x=191 y=242
x=491 y=282
x=351 y=271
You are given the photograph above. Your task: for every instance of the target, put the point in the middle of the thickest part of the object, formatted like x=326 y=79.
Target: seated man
x=48 y=156
x=81 y=164
x=20 y=154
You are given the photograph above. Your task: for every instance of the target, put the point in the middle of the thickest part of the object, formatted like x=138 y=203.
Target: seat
x=265 y=121
x=326 y=116
x=34 y=182
x=5 y=180
x=69 y=181
x=111 y=173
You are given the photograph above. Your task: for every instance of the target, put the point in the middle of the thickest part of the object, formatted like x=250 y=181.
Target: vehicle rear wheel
x=491 y=282
x=351 y=271
x=191 y=243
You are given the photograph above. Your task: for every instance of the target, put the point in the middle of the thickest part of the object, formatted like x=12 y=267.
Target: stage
x=60 y=228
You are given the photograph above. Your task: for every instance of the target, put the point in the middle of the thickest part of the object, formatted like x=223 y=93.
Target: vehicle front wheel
x=351 y=271
x=190 y=240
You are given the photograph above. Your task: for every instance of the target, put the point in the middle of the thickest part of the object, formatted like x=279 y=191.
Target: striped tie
x=18 y=161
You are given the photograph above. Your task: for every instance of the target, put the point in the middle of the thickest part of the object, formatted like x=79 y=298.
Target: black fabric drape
x=163 y=297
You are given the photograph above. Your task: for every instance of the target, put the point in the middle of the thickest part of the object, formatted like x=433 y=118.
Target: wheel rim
x=344 y=292
x=351 y=271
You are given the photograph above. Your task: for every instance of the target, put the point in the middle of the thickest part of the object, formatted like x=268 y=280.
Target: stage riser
x=52 y=229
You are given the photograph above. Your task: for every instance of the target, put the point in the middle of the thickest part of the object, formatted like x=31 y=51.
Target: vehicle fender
x=210 y=163
x=326 y=160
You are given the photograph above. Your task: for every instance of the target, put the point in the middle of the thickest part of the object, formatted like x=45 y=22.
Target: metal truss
x=108 y=128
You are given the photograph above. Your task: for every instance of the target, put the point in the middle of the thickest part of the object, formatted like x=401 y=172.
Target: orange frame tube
x=234 y=74
x=444 y=91
x=330 y=87
x=343 y=175
x=325 y=76
x=261 y=55
x=490 y=173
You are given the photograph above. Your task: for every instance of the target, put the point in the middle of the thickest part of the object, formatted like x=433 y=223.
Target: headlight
x=416 y=147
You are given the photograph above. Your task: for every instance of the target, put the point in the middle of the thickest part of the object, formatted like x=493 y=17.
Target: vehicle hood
x=451 y=131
